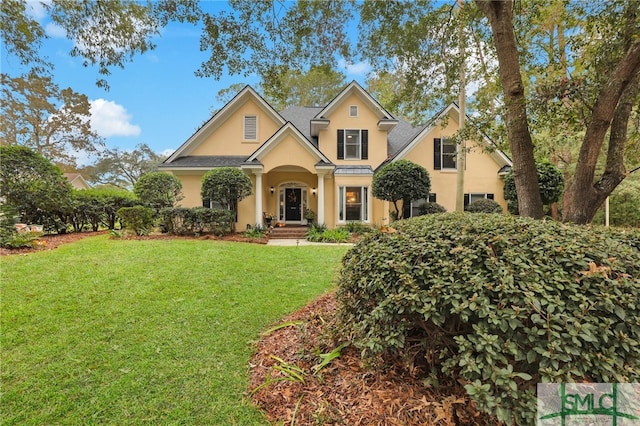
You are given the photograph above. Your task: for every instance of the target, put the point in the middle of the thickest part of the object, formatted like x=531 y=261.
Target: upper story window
x=353 y=110
x=444 y=152
x=353 y=144
x=250 y=130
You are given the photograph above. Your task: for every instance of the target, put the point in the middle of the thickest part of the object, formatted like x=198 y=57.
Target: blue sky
x=156 y=99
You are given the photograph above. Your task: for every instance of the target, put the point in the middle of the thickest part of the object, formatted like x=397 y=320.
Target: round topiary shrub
x=498 y=302
x=431 y=208
x=484 y=206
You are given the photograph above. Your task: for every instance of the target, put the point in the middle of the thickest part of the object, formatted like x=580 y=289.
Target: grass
x=145 y=332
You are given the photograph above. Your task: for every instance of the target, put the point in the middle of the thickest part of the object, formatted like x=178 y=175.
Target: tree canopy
x=158 y=190
x=122 y=168
x=36 y=113
x=35 y=188
x=226 y=186
x=401 y=180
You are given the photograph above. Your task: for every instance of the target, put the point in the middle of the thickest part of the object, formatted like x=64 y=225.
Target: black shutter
x=466 y=200
x=406 y=210
x=340 y=144
x=490 y=196
x=206 y=203
x=437 y=154
x=365 y=145
x=432 y=197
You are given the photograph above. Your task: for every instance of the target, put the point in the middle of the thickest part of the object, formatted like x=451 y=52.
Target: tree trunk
x=611 y=111
x=588 y=197
x=500 y=14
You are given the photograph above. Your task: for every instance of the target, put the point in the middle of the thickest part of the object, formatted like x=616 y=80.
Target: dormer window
x=250 y=128
x=353 y=110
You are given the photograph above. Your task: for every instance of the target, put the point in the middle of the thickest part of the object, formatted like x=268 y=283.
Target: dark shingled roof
x=207 y=161
x=301 y=118
x=400 y=135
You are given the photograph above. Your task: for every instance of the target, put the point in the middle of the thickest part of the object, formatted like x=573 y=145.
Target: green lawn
x=145 y=332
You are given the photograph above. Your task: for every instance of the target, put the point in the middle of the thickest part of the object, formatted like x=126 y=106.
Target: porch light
x=272 y=190
x=313 y=191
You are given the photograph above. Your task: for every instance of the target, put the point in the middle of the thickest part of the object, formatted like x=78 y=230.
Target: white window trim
x=365 y=194
x=244 y=128
x=356 y=110
x=442 y=156
x=359 y=156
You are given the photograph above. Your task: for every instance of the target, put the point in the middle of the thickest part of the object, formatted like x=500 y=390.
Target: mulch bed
x=346 y=392
x=50 y=242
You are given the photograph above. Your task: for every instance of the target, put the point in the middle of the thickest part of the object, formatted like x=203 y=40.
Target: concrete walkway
x=302 y=242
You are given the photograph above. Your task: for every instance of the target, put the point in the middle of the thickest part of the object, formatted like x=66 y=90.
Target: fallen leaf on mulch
x=344 y=392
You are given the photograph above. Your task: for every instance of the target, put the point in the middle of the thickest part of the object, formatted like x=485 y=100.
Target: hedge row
x=500 y=302
x=193 y=221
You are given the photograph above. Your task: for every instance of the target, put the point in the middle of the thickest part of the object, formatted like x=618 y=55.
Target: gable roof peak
x=221 y=116
x=355 y=88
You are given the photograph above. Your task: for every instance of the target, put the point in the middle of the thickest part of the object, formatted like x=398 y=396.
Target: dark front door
x=293 y=203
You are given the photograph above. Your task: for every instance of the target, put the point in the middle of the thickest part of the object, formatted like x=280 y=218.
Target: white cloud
x=36 y=9
x=55 y=31
x=110 y=119
x=360 y=68
x=167 y=152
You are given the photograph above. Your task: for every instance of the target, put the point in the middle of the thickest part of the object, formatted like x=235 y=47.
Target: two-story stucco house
x=324 y=159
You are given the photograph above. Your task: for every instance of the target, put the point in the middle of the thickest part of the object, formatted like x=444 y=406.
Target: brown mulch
x=345 y=392
x=50 y=242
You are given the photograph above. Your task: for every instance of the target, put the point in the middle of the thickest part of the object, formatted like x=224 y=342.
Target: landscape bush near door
x=498 y=303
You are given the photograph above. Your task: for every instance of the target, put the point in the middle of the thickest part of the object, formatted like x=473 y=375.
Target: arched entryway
x=293 y=200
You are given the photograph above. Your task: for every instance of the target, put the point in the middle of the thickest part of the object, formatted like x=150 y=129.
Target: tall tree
x=290 y=87
x=500 y=14
x=314 y=87
x=123 y=168
x=105 y=34
x=37 y=114
x=607 y=66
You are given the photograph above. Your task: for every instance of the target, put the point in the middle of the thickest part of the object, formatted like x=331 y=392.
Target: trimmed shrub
x=138 y=219
x=432 y=208
x=499 y=302
x=196 y=220
x=484 y=206
x=320 y=234
x=358 y=228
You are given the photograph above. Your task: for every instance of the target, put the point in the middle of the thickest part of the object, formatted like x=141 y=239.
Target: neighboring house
x=324 y=159
x=77 y=181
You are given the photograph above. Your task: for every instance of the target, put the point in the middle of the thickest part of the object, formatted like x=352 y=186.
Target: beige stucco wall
x=227 y=138
x=290 y=162
x=339 y=119
x=481 y=173
x=289 y=152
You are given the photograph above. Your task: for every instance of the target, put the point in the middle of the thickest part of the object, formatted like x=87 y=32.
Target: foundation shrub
x=138 y=219
x=196 y=220
x=431 y=208
x=497 y=302
x=484 y=206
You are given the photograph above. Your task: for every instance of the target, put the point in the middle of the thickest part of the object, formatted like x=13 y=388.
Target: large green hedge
x=499 y=302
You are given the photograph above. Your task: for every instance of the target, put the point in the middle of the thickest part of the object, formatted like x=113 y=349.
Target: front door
x=293 y=204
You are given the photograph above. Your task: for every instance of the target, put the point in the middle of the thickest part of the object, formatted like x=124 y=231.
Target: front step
x=289 y=232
